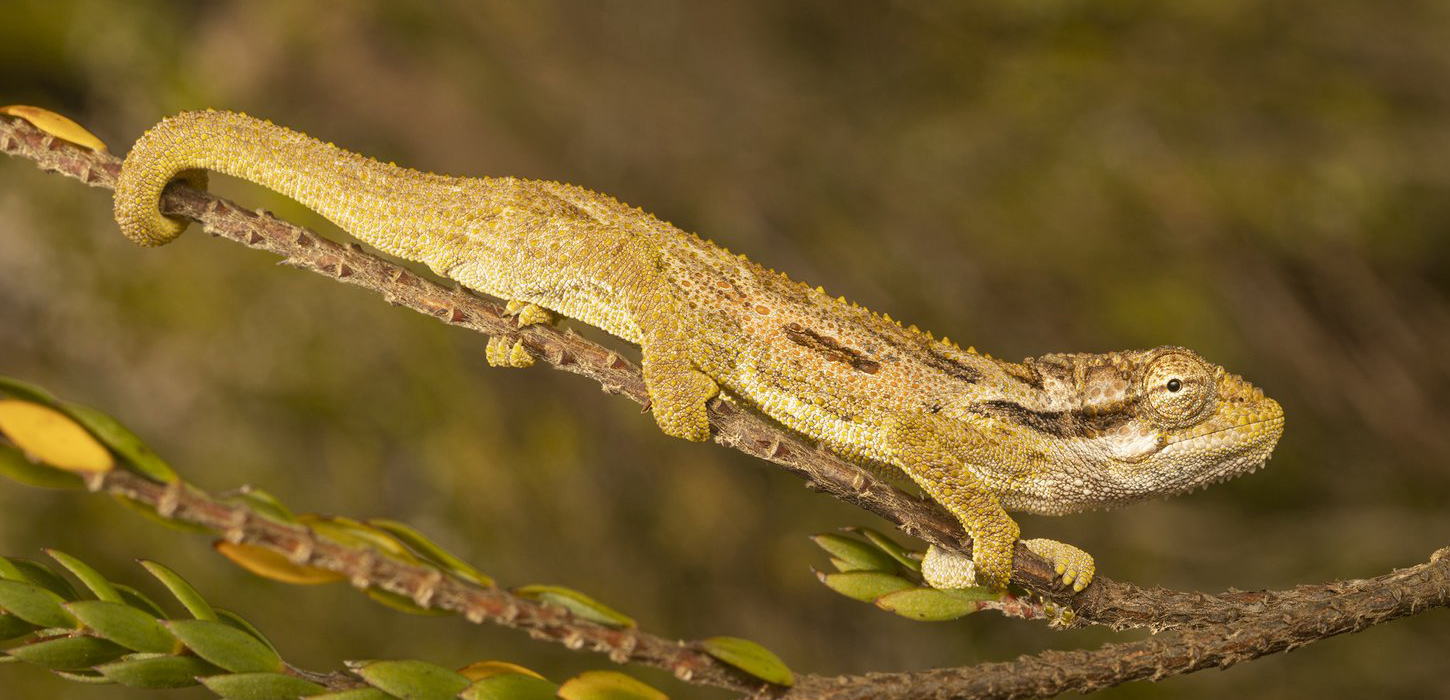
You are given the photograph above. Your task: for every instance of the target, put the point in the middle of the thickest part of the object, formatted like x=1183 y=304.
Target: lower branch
x=1323 y=612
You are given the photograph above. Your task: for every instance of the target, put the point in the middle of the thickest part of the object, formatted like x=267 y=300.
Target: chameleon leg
x=934 y=455
x=678 y=390
x=502 y=351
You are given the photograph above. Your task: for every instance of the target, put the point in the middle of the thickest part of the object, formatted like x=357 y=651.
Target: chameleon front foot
x=1074 y=566
x=678 y=393
x=507 y=352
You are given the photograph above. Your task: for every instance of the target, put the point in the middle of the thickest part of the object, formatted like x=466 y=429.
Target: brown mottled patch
x=951 y=366
x=1027 y=374
x=831 y=348
x=1081 y=424
x=762 y=309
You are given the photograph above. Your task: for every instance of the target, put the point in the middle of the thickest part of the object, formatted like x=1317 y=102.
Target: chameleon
x=981 y=436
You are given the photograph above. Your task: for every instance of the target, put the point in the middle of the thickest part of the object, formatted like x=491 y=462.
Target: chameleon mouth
x=1234 y=451
x=1218 y=433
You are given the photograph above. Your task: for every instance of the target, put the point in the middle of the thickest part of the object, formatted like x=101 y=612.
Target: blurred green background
x=1267 y=182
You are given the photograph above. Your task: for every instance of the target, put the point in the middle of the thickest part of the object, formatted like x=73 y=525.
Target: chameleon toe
x=1073 y=566
x=506 y=352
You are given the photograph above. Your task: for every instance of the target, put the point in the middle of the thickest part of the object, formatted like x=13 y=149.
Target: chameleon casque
x=1052 y=434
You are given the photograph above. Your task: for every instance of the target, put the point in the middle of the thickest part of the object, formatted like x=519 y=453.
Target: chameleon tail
x=382 y=204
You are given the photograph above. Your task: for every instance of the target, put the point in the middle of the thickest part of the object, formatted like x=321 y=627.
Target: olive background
x=1265 y=182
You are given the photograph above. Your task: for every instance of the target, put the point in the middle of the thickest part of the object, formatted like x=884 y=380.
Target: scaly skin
x=1053 y=434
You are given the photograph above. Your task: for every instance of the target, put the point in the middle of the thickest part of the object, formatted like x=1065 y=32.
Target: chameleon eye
x=1177 y=386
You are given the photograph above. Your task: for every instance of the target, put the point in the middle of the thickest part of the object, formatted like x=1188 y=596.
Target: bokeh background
x=1267 y=182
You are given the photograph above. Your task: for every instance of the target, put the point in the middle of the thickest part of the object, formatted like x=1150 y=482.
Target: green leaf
x=901 y=554
x=857 y=555
x=90 y=677
x=260 y=686
x=16 y=466
x=865 y=586
x=607 y=685
x=412 y=680
x=934 y=605
x=27 y=391
x=183 y=591
x=12 y=627
x=241 y=623
x=749 y=657
x=34 y=604
x=121 y=441
x=431 y=551
x=351 y=532
x=68 y=653
x=264 y=503
x=225 y=646
x=139 y=600
x=354 y=694
x=510 y=686
x=157 y=671
x=127 y=626
x=88 y=576
x=577 y=603
x=45 y=577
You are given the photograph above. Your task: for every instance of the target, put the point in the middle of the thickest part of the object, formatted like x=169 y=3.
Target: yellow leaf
x=273 y=565
x=56 y=125
x=607 y=685
x=50 y=437
x=480 y=670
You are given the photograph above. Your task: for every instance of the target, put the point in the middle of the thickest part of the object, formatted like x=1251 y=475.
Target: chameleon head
x=1151 y=423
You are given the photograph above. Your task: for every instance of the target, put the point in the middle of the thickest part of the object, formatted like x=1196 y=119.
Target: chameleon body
x=1052 y=434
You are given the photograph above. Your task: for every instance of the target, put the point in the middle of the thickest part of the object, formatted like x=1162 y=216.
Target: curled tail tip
x=143 y=224
x=139 y=188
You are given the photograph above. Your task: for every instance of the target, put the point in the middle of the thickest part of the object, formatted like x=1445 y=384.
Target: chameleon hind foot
x=677 y=394
x=943 y=568
x=1074 y=566
x=509 y=352
x=506 y=352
